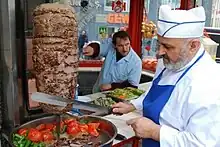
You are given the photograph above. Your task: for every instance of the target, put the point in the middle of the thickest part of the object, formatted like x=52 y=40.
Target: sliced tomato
x=35 y=135
x=93 y=131
x=93 y=125
x=72 y=130
x=73 y=124
x=49 y=126
x=45 y=130
x=47 y=136
x=41 y=127
x=83 y=127
x=23 y=132
x=61 y=126
x=67 y=121
x=121 y=97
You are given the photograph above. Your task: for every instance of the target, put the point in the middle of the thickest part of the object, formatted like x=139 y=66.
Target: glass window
x=99 y=21
x=149 y=38
x=96 y=17
x=149 y=24
x=212 y=8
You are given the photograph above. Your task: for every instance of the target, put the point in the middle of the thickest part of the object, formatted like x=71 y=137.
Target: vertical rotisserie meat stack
x=55 y=52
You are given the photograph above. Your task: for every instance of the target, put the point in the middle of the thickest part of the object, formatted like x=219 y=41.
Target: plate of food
x=104 y=101
x=124 y=94
x=86 y=130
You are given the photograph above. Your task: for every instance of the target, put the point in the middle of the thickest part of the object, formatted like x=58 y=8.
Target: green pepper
x=64 y=129
x=54 y=133
x=18 y=136
x=32 y=144
x=83 y=121
x=42 y=144
x=35 y=145
x=21 y=140
x=21 y=145
x=28 y=143
x=15 y=143
x=27 y=133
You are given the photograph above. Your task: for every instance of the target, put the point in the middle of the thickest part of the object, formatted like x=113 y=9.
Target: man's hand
x=145 y=128
x=88 y=51
x=123 y=108
x=105 y=87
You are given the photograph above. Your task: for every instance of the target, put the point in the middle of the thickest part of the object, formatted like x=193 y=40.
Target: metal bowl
x=108 y=130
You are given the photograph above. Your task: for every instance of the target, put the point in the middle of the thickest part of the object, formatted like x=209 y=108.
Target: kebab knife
x=63 y=102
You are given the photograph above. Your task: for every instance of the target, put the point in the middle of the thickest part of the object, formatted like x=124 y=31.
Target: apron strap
x=190 y=67
x=156 y=81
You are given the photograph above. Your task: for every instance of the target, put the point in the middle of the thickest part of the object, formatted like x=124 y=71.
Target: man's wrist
x=132 y=107
x=156 y=132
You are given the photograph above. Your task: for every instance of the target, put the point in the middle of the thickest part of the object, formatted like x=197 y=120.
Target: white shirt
x=191 y=117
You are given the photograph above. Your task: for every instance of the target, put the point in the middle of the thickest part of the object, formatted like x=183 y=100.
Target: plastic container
x=210 y=46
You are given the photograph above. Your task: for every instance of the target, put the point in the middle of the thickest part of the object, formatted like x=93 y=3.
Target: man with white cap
x=182 y=106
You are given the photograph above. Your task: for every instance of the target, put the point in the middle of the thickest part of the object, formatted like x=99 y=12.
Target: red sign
x=118 y=6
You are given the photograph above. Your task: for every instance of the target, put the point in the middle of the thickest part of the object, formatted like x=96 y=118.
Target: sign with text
x=118 y=18
x=118 y=6
x=108 y=5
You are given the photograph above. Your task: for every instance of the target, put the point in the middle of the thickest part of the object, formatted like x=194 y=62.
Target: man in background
x=122 y=66
x=83 y=38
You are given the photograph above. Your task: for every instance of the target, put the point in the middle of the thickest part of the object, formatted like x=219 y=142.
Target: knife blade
x=62 y=102
x=50 y=99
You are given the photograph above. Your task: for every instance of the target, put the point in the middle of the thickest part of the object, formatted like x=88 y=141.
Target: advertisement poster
x=103 y=32
x=108 y=5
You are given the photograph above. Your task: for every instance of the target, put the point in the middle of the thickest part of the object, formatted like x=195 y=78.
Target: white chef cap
x=181 y=23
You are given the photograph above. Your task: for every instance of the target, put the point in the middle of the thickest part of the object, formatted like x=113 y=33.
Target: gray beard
x=182 y=61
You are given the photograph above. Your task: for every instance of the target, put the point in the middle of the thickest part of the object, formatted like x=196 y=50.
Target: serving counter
x=120 y=121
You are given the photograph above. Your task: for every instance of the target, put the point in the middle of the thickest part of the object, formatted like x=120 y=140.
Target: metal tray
x=108 y=130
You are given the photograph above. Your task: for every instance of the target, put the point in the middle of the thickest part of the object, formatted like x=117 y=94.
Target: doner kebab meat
x=55 y=52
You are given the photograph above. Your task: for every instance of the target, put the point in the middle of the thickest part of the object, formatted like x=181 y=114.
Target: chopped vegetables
x=127 y=93
x=45 y=134
x=135 y=90
x=22 y=141
x=105 y=102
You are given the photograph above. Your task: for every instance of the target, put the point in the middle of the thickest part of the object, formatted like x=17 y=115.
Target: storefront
x=99 y=21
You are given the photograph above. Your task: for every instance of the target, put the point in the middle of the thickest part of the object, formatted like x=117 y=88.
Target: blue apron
x=156 y=99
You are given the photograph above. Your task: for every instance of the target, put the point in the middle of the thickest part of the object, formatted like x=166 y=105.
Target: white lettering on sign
x=75 y=3
x=86 y=14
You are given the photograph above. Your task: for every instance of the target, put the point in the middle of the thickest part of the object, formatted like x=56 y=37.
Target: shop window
x=212 y=8
x=149 y=31
x=98 y=20
x=149 y=24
